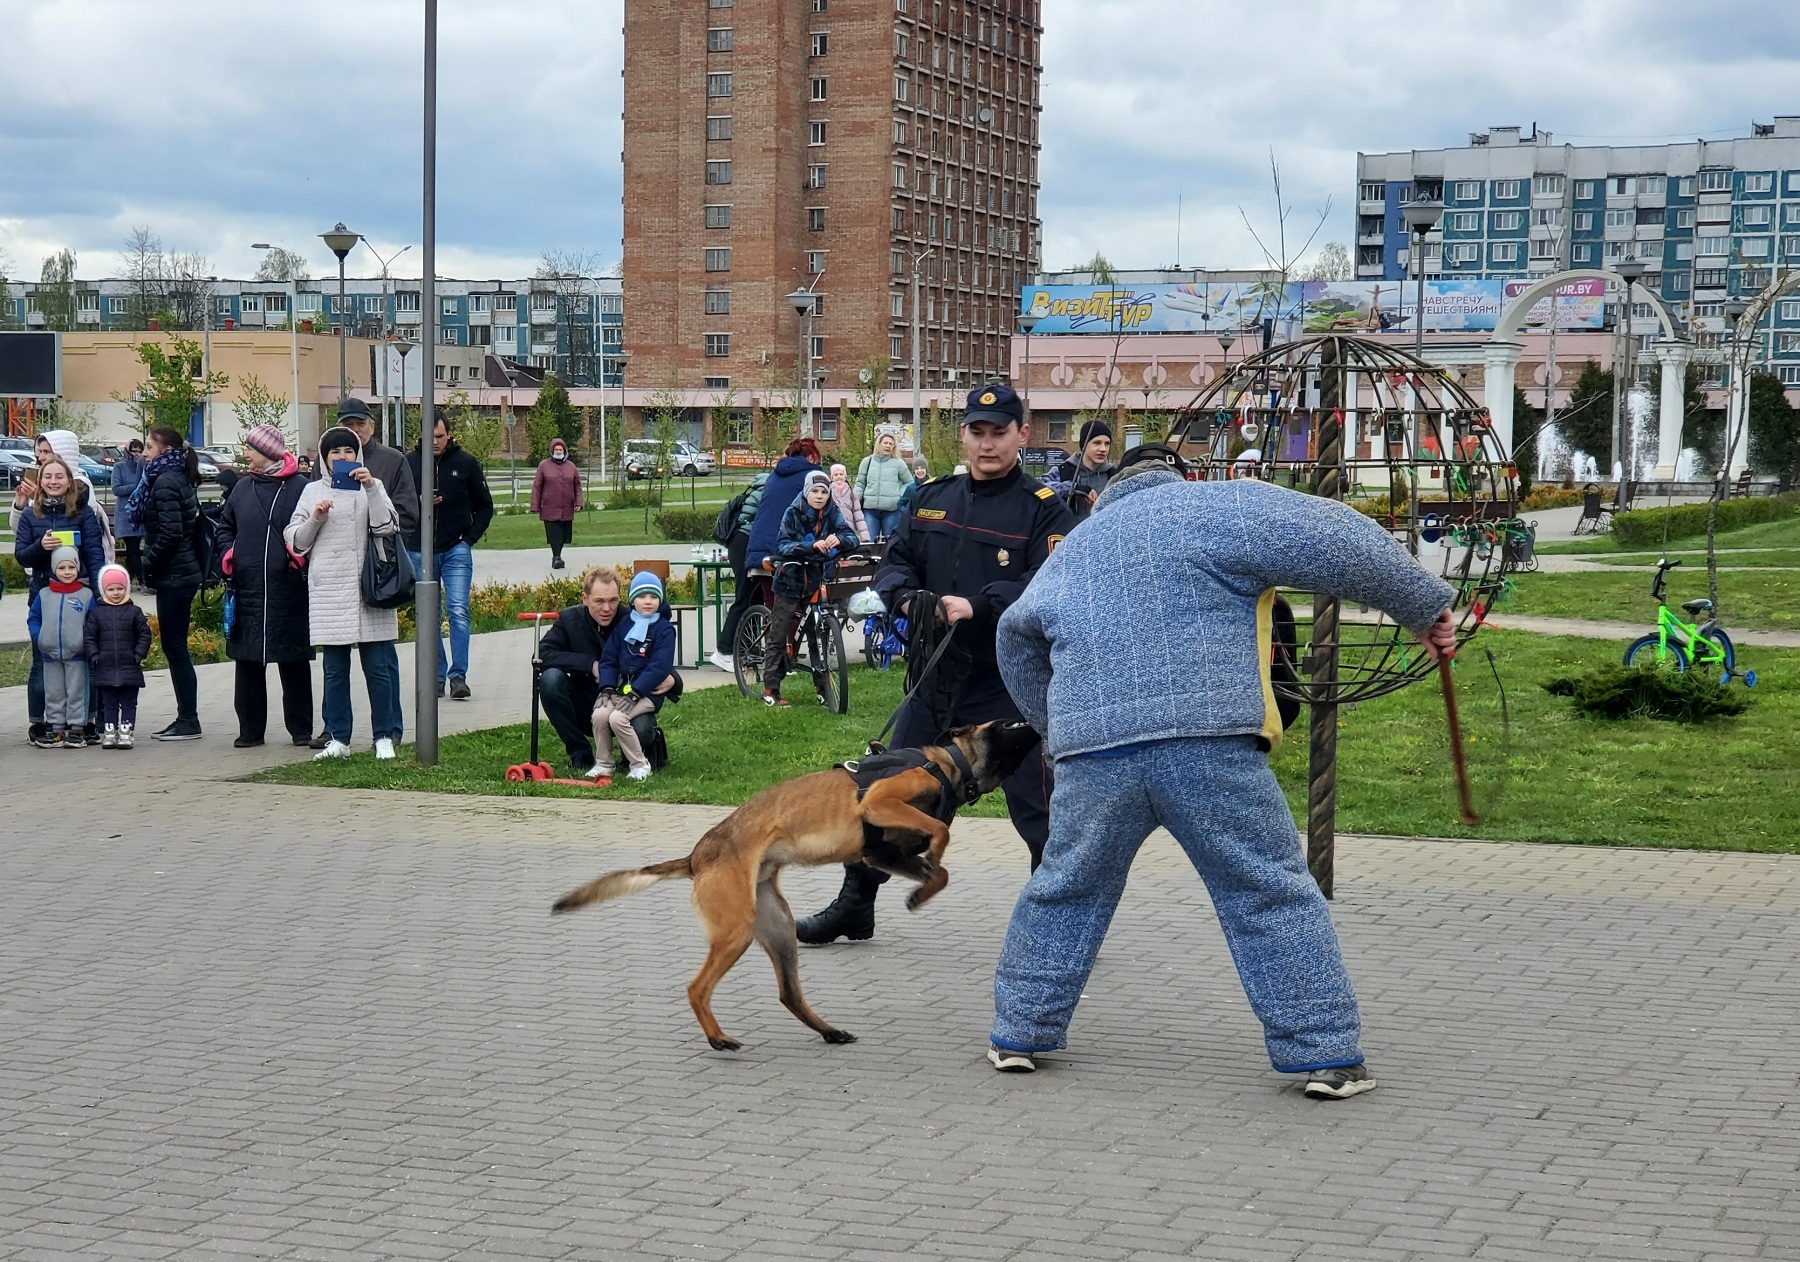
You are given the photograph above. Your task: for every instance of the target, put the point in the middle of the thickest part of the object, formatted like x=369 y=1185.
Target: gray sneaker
x=1340 y=1083
x=1008 y=1061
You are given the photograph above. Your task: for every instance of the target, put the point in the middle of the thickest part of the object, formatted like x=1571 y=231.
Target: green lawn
x=1768 y=534
x=1768 y=601
x=1559 y=777
x=1781 y=558
x=15 y=665
x=613 y=526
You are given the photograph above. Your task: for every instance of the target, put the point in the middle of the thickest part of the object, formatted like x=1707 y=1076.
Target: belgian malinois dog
x=892 y=811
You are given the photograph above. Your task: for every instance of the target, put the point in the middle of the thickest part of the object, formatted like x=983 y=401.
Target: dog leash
x=876 y=745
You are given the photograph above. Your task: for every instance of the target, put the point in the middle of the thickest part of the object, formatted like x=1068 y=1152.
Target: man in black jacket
x=569 y=681
x=973 y=541
x=464 y=509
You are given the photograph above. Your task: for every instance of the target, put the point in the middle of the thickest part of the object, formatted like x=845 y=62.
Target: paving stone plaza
x=257 y=1022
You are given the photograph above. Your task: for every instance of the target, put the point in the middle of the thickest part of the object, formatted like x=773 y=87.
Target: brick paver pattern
x=249 y=1022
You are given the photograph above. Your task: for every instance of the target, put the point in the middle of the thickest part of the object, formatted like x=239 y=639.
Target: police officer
x=973 y=540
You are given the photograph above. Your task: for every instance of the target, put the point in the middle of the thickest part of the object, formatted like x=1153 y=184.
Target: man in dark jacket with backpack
x=734 y=523
x=463 y=509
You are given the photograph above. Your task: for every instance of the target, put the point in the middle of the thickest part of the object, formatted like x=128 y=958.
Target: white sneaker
x=640 y=773
x=384 y=748
x=722 y=660
x=596 y=771
x=333 y=749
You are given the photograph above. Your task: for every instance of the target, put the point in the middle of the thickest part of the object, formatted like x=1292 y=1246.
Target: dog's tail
x=613 y=884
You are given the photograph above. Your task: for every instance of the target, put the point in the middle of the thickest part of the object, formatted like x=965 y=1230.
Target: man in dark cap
x=972 y=541
x=1084 y=477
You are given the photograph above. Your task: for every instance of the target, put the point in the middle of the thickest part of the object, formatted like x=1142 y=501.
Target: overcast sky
x=217 y=123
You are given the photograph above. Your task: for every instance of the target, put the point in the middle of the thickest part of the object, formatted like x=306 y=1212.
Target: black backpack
x=725 y=524
x=206 y=546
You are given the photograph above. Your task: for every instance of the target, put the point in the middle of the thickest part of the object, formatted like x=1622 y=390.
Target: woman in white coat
x=330 y=527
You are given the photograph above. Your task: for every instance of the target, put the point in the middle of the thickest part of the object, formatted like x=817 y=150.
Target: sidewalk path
x=272 y=1022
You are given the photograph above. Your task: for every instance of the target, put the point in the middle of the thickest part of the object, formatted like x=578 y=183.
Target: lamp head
x=803 y=300
x=1226 y=339
x=1630 y=269
x=1421 y=216
x=340 y=240
x=1027 y=323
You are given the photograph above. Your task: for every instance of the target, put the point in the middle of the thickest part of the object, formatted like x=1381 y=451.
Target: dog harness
x=883 y=764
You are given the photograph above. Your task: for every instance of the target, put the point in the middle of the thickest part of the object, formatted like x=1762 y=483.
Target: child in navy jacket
x=813 y=535
x=637 y=667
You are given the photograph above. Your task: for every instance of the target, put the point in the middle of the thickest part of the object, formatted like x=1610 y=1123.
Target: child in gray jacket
x=57 y=623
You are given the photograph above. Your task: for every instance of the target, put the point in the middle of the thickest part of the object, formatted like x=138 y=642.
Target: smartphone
x=340 y=475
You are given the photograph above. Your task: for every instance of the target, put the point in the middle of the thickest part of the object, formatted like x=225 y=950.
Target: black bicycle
x=816 y=648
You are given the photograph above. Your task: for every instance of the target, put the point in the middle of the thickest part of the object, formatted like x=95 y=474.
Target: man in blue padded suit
x=1141 y=652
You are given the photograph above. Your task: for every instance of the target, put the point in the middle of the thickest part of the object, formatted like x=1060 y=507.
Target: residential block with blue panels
x=1709 y=219
x=573 y=327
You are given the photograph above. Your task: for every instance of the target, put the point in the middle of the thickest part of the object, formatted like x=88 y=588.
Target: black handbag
x=388 y=576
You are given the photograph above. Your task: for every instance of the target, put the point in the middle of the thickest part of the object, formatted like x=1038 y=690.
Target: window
x=718 y=216
x=1504 y=252
x=815 y=175
x=1466 y=221
x=1464 y=253
x=1622 y=185
x=1620 y=218
x=815 y=219
x=1758 y=216
x=897 y=305
x=1787 y=343
x=1709 y=278
x=1791 y=182
x=815 y=132
x=718 y=345
x=506 y=302
x=88 y=300
x=897 y=261
x=718 y=260
x=1582 y=254
x=1508 y=220
x=718 y=4
x=815 y=262
x=1790 y=246
x=543 y=300
x=251 y=304
x=718 y=39
x=718 y=127
x=1468 y=190
x=1616 y=250
x=1584 y=221
x=718 y=302
x=818 y=6
x=505 y=335
x=115 y=306
x=1586 y=190
x=1372 y=192
x=1754 y=247
x=1790 y=215
x=1547 y=217
x=899 y=87
x=718 y=172
x=1543 y=248
x=1790 y=374
x=1684 y=251
x=1715 y=212
x=440 y=371
x=1715 y=181
x=447 y=306
x=478 y=302
x=819 y=43
x=718 y=85
x=1547 y=186
x=817 y=91
x=899 y=132
x=1678 y=283
x=447 y=334
x=1713 y=245
x=900 y=44
x=1506 y=190
x=1684 y=218
x=828 y=425
x=899 y=175
x=1684 y=187
x=1759 y=182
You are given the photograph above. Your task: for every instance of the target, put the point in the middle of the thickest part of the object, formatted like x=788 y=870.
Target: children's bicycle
x=1685 y=644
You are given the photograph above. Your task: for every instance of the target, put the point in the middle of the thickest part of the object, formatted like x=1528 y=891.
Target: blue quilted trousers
x=1219 y=799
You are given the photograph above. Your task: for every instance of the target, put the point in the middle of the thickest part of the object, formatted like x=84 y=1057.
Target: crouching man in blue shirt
x=1175 y=730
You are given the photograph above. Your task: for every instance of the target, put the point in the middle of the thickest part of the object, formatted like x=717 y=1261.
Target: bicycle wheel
x=1723 y=641
x=823 y=645
x=747 y=650
x=873 y=634
x=1643 y=652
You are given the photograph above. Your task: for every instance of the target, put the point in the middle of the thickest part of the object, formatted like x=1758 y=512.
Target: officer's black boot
x=851 y=914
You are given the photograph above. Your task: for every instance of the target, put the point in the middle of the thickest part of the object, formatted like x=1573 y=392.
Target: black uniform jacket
x=981 y=540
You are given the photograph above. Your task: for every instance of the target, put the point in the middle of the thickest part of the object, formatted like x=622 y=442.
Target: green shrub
x=1540 y=498
x=635 y=497
x=687 y=524
x=12 y=572
x=1644 y=527
x=1629 y=692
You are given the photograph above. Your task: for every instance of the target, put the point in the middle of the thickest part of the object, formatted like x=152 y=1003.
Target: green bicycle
x=1685 y=643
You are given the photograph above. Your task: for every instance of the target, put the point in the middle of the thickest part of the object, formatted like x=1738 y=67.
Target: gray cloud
x=219 y=123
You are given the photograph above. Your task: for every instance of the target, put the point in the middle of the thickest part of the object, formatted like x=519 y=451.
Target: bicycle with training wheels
x=1681 y=643
x=815 y=649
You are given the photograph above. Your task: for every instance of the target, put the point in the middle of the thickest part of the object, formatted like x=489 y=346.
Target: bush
x=1630 y=692
x=635 y=497
x=1540 y=498
x=1644 y=526
x=687 y=524
x=13 y=573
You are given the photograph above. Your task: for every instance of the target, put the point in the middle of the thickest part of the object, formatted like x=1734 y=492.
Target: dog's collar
x=971 y=787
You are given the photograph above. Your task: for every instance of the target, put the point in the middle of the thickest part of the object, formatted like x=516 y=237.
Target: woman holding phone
x=330 y=527
x=57 y=513
x=166 y=507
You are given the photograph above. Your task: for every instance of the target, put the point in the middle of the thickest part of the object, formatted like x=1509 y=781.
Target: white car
x=685 y=459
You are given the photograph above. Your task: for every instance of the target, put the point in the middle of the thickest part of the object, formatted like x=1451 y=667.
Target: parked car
x=209 y=468
x=684 y=460
x=639 y=459
x=13 y=464
x=223 y=457
x=97 y=473
x=691 y=462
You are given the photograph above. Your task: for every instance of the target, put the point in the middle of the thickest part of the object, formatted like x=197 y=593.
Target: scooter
x=537 y=771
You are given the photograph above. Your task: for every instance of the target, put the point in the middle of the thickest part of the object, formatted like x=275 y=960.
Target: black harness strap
x=873 y=768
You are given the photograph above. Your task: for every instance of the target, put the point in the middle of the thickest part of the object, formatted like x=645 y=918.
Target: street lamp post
x=427 y=594
x=805 y=301
x=1027 y=323
x=1225 y=341
x=340 y=241
x=1629 y=270
x=623 y=356
x=1420 y=217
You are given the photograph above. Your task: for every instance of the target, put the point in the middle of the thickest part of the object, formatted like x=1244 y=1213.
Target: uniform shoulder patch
x=930 y=514
x=1045 y=493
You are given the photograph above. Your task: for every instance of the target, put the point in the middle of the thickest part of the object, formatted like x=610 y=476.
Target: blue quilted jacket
x=1152 y=621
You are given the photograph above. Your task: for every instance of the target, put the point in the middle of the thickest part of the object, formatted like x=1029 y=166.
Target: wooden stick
x=1456 y=742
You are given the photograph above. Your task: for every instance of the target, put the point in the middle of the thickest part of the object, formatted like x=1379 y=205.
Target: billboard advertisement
x=1300 y=307
x=30 y=364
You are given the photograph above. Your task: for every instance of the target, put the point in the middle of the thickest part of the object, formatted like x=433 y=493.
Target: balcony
x=408 y=317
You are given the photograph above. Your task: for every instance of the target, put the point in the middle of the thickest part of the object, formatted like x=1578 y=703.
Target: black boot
x=851 y=914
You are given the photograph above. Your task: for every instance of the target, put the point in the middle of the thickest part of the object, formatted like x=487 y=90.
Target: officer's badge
x=1003 y=556
x=988 y=398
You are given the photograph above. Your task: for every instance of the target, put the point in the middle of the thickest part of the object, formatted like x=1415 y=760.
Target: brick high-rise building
x=776 y=144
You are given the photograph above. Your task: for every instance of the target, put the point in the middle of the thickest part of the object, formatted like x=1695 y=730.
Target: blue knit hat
x=644 y=581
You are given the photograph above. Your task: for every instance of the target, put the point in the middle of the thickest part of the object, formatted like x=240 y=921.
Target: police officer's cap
x=1160 y=454
x=996 y=402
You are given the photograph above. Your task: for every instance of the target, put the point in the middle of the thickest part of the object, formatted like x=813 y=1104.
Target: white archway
x=1502 y=356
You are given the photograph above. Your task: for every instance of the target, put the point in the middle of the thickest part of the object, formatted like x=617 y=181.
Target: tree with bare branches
x=282 y=264
x=566 y=273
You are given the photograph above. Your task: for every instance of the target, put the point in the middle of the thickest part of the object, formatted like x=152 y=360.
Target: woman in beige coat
x=331 y=528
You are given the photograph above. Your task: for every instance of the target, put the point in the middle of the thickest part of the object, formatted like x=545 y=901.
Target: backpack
x=725 y=524
x=206 y=548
